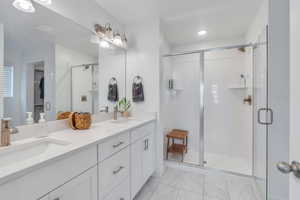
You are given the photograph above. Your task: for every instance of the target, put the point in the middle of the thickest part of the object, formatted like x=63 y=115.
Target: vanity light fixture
x=24 y=5
x=44 y=2
x=108 y=38
x=202 y=33
x=117 y=39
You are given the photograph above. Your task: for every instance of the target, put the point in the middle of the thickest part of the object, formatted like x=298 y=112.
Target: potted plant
x=124 y=106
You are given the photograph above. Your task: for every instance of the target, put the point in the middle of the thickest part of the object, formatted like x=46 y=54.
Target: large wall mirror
x=49 y=64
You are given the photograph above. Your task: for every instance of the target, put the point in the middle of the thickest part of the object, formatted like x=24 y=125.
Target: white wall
x=259 y=23
x=294 y=93
x=65 y=58
x=143 y=59
x=112 y=63
x=279 y=77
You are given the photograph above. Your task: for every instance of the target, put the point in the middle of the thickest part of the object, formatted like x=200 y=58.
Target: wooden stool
x=177 y=148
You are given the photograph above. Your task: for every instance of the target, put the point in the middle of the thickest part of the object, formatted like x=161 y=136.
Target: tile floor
x=217 y=161
x=228 y=163
x=177 y=184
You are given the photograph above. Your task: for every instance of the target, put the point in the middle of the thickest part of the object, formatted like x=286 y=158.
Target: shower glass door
x=228 y=136
x=260 y=63
x=181 y=105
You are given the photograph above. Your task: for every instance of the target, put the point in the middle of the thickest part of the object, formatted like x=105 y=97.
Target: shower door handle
x=268 y=111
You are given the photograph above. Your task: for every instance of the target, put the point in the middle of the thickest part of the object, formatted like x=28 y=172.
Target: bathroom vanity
x=112 y=160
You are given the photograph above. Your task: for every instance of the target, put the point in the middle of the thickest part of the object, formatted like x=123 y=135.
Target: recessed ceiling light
x=24 y=5
x=44 y=2
x=202 y=32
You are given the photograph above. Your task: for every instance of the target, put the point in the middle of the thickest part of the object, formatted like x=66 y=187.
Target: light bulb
x=24 y=5
x=44 y=2
x=104 y=44
x=117 y=40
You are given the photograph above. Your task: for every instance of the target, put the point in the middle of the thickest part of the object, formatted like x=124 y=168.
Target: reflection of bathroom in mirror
x=53 y=66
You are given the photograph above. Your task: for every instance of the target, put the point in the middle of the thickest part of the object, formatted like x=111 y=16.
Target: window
x=6 y=81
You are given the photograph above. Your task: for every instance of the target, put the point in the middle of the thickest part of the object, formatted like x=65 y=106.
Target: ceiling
x=223 y=19
x=31 y=30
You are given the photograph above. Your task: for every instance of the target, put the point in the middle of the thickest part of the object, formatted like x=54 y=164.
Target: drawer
x=41 y=181
x=113 y=145
x=122 y=192
x=142 y=131
x=113 y=171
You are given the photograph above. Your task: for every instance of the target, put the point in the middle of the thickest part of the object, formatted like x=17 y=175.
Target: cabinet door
x=148 y=164
x=81 y=187
x=136 y=167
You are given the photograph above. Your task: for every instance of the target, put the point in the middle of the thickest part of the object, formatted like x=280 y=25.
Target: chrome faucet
x=6 y=131
x=116 y=112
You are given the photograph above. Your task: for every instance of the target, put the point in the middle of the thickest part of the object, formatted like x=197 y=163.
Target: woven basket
x=81 y=121
x=63 y=115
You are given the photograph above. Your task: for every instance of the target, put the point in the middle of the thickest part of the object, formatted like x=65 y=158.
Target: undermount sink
x=28 y=151
x=122 y=120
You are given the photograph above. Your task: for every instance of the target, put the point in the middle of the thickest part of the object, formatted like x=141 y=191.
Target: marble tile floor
x=177 y=184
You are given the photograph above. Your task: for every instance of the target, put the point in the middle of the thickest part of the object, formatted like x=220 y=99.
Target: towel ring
x=137 y=79
x=113 y=80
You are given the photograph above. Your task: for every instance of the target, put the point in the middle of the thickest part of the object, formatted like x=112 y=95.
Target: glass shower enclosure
x=216 y=95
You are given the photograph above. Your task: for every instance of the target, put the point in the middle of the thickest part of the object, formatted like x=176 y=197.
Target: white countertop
x=76 y=139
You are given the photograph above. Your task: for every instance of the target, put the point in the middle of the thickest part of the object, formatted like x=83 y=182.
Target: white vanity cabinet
x=116 y=168
x=82 y=187
x=142 y=157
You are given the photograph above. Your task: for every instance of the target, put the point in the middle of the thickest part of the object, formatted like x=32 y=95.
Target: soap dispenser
x=5 y=132
x=42 y=118
x=29 y=119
